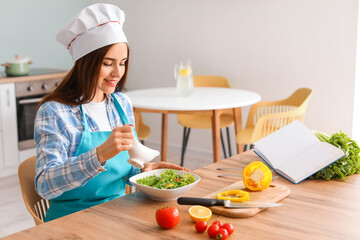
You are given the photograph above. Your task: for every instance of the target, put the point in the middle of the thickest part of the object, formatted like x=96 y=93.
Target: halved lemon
x=200 y=213
x=184 y=72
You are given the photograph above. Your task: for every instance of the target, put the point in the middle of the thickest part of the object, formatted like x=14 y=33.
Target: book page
x=309 y=162
x=259 y=153
x=284 y=175
x=286 y=143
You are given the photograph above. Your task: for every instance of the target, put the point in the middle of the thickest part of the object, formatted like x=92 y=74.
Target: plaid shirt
x=58 y=130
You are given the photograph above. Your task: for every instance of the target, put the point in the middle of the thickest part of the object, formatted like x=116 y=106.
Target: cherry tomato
x=217 y=222
x=201 y=226
x=213 y=230
x=229 y=227
x=222 y=233
x=167 y=217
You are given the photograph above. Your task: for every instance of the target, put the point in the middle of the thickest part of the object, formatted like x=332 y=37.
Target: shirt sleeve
x=56 y=172
x=133 y=171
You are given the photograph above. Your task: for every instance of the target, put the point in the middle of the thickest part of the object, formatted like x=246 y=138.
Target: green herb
x=345 y=166
x=167 y=180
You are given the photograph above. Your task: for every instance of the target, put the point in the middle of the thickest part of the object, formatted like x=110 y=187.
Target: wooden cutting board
x=273 y=194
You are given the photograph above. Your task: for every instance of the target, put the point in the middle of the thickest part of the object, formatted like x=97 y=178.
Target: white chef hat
x=93 y=27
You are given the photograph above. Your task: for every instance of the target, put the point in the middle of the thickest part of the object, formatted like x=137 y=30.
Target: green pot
x=17 y=67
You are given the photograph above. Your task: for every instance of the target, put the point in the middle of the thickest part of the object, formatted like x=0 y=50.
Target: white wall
x=356 y=109
x=28 y=28
x=269 y=46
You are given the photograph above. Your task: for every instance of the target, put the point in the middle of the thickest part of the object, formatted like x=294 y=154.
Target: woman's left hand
x=156 y=165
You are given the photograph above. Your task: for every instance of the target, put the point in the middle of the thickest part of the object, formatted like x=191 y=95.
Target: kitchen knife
x=209 y=202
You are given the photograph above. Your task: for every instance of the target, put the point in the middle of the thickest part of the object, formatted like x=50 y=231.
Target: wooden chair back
x=268 y=116
x=197 y=120
x=144 y=130
x=36 y=205
x=210 y=81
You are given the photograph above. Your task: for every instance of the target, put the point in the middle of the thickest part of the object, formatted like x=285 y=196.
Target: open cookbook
x=295 y=153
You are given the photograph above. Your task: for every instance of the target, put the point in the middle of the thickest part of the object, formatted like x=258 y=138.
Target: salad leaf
x=167 y=180
x=348 y=165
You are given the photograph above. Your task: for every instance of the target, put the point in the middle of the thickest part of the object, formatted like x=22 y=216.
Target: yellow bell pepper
x=234 y=195
x=257 y=176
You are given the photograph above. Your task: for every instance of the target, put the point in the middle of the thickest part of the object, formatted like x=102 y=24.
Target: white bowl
x=162 y=194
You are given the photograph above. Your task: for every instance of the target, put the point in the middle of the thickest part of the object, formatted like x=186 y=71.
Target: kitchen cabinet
x=17 y=95
x=9 y=157
x=1 y=152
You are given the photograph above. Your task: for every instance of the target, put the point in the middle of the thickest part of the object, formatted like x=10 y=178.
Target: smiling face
x=111 y=71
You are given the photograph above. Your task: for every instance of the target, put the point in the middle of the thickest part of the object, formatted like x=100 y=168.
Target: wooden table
x=203 y=99
x=314 y=210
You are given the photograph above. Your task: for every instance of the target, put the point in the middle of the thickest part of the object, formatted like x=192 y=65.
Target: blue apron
x=105 y=186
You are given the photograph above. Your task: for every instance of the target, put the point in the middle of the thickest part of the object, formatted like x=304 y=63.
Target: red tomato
x=212 y=230
x=217 y=222
x=229 y=227
x=201 y=226
x=167 y=217
x=222 y=234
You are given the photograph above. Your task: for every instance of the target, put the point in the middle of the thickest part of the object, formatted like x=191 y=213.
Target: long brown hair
x=79 y=85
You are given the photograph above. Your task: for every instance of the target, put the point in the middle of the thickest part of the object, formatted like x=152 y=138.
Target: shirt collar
x=110 y=98
x=76 y=108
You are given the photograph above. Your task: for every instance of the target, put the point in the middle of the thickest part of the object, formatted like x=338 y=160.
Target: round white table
x=203 y=99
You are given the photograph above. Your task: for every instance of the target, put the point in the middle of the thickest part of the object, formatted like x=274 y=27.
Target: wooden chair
x=203 y=120
x=143 y=131
x=36 y=205
x=268 y=116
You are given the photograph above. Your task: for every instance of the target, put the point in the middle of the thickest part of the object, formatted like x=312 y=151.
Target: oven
x=28 y=95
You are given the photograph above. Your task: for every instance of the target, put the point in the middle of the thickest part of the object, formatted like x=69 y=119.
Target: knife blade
x=210 y=202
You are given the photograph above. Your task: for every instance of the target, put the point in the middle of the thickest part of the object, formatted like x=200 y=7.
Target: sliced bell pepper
x=234 y=195
x=257 y=176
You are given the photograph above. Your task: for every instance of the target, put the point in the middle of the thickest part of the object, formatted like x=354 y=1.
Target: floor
x=15 y=217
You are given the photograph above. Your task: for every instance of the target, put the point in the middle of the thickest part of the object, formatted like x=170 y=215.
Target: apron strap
x=86 y=127
x=122 y=113
x=120 y=110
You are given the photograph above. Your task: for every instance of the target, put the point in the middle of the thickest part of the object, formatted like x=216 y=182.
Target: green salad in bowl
x=164 y=184
x=167 y=180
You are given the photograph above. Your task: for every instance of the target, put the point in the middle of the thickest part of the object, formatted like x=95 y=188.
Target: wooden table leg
x=238 y=127
x=164 y=127
x=137 y=117
x=216 y=134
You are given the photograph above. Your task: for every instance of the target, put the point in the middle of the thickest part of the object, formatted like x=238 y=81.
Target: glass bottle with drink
x=184 y=79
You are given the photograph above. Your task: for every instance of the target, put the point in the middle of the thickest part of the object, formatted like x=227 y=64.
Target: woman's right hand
x=119 y=140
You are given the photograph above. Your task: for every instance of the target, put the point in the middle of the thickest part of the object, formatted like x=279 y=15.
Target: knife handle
x=207 y=202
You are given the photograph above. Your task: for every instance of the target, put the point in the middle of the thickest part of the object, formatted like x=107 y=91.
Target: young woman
x=84 y=128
